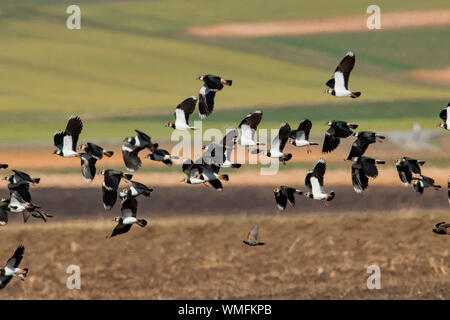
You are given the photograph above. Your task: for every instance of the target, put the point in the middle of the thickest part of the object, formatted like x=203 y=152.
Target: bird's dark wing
x=216 y=184
x=3 y=213
x=112 y=179
x=417 y=186
x=109 y=197
x=58 y=139
x=129 y=207
x=283 y=135
x=21 y=191
x=308 y=180
x=330 y=141
x=330 y=83
x=188 y=107
x=88 y=166
x=443 y=115
x=290 y=195
x=131 y=160
x=20 y=175
x=319 y=170
x=95 y=150
x=404 y=173
x=213 y=82
x=412 y=165
x=369 y=167
x=305 y=126
x=359 y=179
x=341 y=129
x=205 y=102
x=74 y=128
x=15 y=260
x=252 y=120
x=346 y=66
x=358 y=148
x=120 y=229
x=281 y=199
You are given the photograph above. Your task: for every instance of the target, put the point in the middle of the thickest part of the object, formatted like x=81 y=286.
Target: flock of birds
x=206 y=169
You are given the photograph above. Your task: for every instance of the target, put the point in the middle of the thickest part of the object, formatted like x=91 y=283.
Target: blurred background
x=133 y=62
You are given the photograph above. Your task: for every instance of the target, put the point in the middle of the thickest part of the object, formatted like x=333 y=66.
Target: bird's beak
x=199 y=78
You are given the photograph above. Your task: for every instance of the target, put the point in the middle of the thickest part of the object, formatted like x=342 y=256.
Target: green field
x=132 y=63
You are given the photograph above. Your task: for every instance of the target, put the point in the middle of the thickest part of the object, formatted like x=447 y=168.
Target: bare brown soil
x=354 y=23
x=435 y=76
x=204 y=258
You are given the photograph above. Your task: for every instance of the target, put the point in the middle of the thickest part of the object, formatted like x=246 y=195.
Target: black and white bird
x=12 y=268
x=300 y=137
x=338 y=129
x=445 y=116
x=95 y=150
x=338 y=85
x=284 y=194
x=199 y=172
x=136 y=189
x=421 y=182
x=278 y=144
x=17 y=204
x=406 y=167
x=161 y=155
x=314 y=183
x=363 y=168
x=20 y=177
x=66 y=142
x=110 y=185
x=182 y=113
x=128 y=217
x=88 y=166
x=363 y=140
x=252 y=238
x=141 y=141
x=214 y=82
x=247 y=128
x=193 y=171
x=220 y=154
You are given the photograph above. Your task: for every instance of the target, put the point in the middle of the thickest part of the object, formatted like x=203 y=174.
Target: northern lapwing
x=193 y=171
x=278 y=144
x=363 y=140
x=300 y=137
x=205 y=101
x=220 y=154
x=128 y=217
x=95 y=150
x=210 y=174
x=12 y=268
x=214 y=82
x=338 y=85
x=161 y=155
x=445 y=116
x=314 y=182
x=141 y=141
x=88 y=166
x=110 y=185
x=136 y=189
x=182 y=113
x=66 y=142
x=252 y=238
x=21 y=177
x=422 y=182
x=442 y=228
x=247 y=128
x=18 y=205
x=338 y=129
x=406 y=167
x=284 y=194
x=363 y=168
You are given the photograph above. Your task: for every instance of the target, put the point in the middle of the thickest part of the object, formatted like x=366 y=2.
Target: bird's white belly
x=11 y=271
x=69 y=154
x=301 y=143
x=276 y=154
x=196 y=181
x=181 y=126
x=129 y=220
x=342 y=93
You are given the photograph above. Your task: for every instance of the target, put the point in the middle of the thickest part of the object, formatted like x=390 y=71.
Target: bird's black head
x=171 y=125
x=200 y=77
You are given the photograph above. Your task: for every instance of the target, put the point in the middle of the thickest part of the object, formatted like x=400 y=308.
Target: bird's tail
x=168 y=162
x=36 y=180
x=108 y=154
x=224 y=177
x=3 y=166
x=228 y=82
x=380 y=161
x=128 y=176
x=355 y=94
x=313 y=144
x=141 y=222
x=236 y=165
x=421 y=162
x=352 y=125
x=437 y=187
x=330 y=196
